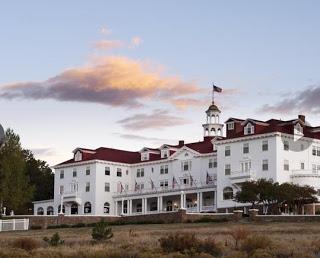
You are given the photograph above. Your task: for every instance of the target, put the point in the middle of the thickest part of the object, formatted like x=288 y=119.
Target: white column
x=161 y=203
x=313 y=208
x=158 y=203
x=129 y=205
x=185 y=201
x=146 y=206
x=142 y=205
x=122 y=206
x=181 y=200
x=116 y=208
x=198 y=202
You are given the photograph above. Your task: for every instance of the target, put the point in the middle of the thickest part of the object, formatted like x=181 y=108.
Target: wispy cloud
x=106 y=44
x=135 y=42
x=105 y=31
x=302 y=101
x=157 y=119
x=113 y=81
x=144 y=138
x=43 y=151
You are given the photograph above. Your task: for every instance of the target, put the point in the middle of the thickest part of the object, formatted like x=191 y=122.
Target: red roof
x=132 y=157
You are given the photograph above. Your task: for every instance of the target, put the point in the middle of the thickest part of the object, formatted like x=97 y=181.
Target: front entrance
x=74 y=208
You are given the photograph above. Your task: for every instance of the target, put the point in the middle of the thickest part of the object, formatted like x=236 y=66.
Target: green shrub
x=253 y=243
x=25 y=243
x=79 y=225
x=101 y=231
x=35 y=227
x=55 y=240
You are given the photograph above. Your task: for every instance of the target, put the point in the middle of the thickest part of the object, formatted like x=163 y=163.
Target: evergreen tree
x=15 y=188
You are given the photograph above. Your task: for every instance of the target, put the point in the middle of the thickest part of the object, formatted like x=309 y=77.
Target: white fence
x=14 y=224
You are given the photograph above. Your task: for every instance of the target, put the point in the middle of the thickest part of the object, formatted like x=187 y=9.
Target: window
x=61 y=174
x=245 y=166
x=318 y=151
x=127 y=172
x=184 y=181
x=186 y=165
x=61 y=189
x=302 y=165
x=164 y=184
x=50 y=210
x=138 y=172
x=286 y=165
x=63 y=209
x=87 y=207
x=107 y=171
x=265 y=145
x=40 y=211
x=286 y=145
x=164 y=153
x=106 y=208
x=298 y=129
x=227 y=169
x=88 y=171
x=144 y=156
x=87 y=187
x=227 y=193
x=164 y=169
x=248 y=129
x=314 y=168
x=74 y=173
x=230 y=126
x=227 y=151
x=215 y=162
x=314 y=150
x=142 y=172
x=246 y=148
x=107 y=187
x=210 y=163
x=139 y=207
x=265 y=165
x=119 y=172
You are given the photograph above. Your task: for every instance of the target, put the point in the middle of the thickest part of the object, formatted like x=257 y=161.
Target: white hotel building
x=200 y=177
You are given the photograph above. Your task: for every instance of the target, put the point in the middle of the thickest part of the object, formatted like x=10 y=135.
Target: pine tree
x=15 y=190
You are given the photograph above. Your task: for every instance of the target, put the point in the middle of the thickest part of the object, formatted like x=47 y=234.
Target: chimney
x=181 y=143
x=302 y=118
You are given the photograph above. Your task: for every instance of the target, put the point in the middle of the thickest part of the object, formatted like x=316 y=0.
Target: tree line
x=23 y=178
x=269 y=194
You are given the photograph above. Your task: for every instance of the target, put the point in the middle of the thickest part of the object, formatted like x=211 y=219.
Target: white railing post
x=13 y=224
x=0 y=225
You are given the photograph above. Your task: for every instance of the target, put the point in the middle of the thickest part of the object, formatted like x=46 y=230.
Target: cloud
x=144 y=138
x=105 y=44
x=158 y=119
x=112 y=81
x=135 y=42
x=105 y=31
x=183 y=103
x=43 y=151
x=301 y=101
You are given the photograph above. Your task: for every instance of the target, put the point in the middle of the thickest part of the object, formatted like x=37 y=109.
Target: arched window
x=74 y=208
x=219 y=132
x=50 y=210
x=169 y=206
x=63 y=209
x=87 y=207
x=106 y=208
x=228 y=193
x=40 y=211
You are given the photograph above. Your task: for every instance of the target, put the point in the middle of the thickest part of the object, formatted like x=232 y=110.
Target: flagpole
x=213 y=93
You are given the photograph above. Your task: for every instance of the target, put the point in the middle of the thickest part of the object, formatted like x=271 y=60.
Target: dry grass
x=289 y=240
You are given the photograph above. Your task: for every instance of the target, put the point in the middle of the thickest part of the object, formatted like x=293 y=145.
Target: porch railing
x=14 y=224
x=168 y=189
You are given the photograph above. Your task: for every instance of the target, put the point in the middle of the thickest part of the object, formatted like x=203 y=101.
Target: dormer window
x=230 y=126
x=165 y=153
x=78 y=156
x=144 y=156
x=298 y=129
x=248 y=129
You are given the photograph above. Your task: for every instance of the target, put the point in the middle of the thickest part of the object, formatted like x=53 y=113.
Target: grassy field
x=288 y=239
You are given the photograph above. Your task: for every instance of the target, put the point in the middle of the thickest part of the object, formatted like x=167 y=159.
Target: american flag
x=136 y=186
x=174 y=182
x=209 y=178
x=191 y=180
x=152 y=184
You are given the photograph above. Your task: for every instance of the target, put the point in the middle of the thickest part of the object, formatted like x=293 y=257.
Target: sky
x=130 y=74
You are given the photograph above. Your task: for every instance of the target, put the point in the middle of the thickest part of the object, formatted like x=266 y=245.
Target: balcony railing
x=241 y=176
x=168 y=189
x=72 y=196
x=304 y=173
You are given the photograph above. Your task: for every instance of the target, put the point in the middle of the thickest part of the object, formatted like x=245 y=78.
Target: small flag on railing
x=152 y=184
x=191 y=180
x=174 y=182
x=209 y=178
x=136 y=186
